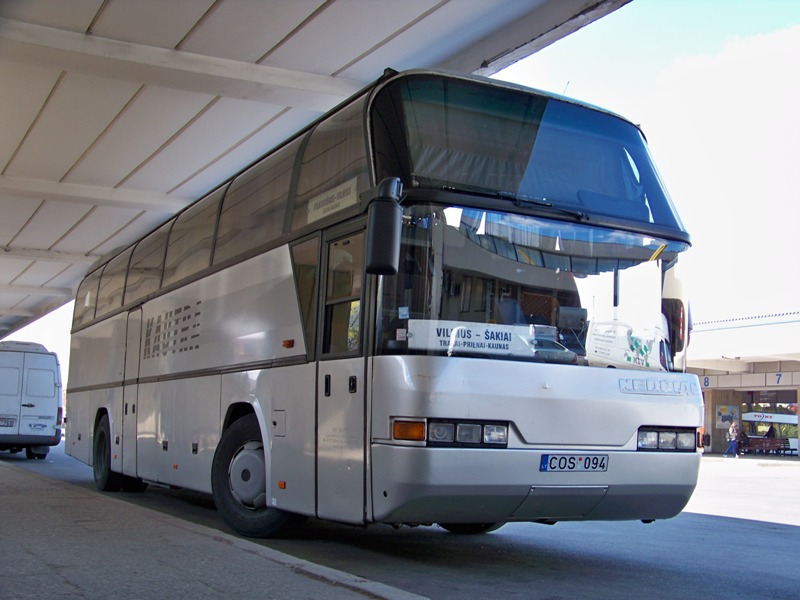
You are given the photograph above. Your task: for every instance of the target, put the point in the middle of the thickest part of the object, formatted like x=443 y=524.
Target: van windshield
x=479 y=283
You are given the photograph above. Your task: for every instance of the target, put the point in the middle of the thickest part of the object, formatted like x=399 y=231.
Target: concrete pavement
x=59 y=540
x=757 y=488
x=63 y=541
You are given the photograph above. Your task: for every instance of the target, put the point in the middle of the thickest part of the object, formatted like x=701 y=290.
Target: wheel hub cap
x=247 y=476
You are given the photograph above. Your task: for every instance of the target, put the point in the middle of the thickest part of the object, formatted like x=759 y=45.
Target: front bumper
x=451 y=485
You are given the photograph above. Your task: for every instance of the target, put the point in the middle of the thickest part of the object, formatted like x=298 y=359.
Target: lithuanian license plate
x=574 y=462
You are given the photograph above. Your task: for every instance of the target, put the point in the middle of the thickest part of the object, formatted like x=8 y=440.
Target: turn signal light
x=409 y=430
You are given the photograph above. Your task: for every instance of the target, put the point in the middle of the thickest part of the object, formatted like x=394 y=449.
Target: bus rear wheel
x=239 y=482
x=105 y=479
x=470 y=528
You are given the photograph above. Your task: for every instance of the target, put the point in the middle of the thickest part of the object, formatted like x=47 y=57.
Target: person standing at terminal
x=733 y=440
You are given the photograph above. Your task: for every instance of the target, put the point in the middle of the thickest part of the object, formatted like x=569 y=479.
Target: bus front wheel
x=239 y=482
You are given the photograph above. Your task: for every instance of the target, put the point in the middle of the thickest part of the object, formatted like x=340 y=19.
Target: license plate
x=7 y=422
x=593 y=463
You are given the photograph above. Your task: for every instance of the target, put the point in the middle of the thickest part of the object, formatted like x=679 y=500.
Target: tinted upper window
x=255 y=205
x=334 y=168
x=191 y=239
x=112 y=283
x=147 y=263
x=86 y=299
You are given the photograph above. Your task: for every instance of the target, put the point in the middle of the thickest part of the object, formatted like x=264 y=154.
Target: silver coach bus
x=450 y=300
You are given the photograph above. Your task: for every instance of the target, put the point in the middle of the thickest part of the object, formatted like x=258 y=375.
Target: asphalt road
x=738 y=538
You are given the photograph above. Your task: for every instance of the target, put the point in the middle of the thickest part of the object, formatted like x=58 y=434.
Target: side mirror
x=384 y=227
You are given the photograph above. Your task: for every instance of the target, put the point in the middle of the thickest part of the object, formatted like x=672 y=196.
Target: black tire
x=29 y=453
x=239 y=486
x=105 y=479
x=470 y=528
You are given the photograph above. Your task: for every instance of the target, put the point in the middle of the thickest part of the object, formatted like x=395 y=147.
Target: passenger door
x=341 y=410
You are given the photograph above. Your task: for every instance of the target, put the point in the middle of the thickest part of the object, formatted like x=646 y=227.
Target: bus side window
x=254 y=206
x=147 y=262
x=191 y=239
x=86 y=299
x=305 y=258
x=333 y=170
x=343 y=295
x=112 y=283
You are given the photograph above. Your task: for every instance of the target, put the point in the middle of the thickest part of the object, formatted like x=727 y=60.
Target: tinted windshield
x=481 y=283
x=441 y=133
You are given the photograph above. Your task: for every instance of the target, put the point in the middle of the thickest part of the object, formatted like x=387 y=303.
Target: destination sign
x=488 y=338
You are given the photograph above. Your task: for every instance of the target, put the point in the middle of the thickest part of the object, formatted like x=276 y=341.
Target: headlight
x=687 y=440
x=468 y=433
x=647 y=440
x=455 y=433
x=495 y=434
x=441 y=432
x=667 y=439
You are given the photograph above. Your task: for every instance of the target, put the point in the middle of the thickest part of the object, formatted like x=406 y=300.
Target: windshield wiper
x=526 y=201
x=529 y=202
x=519 y=200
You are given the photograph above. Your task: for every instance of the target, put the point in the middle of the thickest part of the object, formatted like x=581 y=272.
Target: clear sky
x=715 y=85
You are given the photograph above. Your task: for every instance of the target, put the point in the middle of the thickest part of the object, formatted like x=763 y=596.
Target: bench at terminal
x=755 y=445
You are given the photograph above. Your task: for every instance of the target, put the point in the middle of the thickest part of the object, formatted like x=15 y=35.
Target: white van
x=30 y=398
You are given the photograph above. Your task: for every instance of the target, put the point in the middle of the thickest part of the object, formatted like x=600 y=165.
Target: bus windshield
x=479 y=283
x=450 y=134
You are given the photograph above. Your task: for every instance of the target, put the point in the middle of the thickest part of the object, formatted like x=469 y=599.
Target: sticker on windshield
x=489 y=338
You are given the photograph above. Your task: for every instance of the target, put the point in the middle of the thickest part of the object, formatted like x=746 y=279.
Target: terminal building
x=749 y=370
